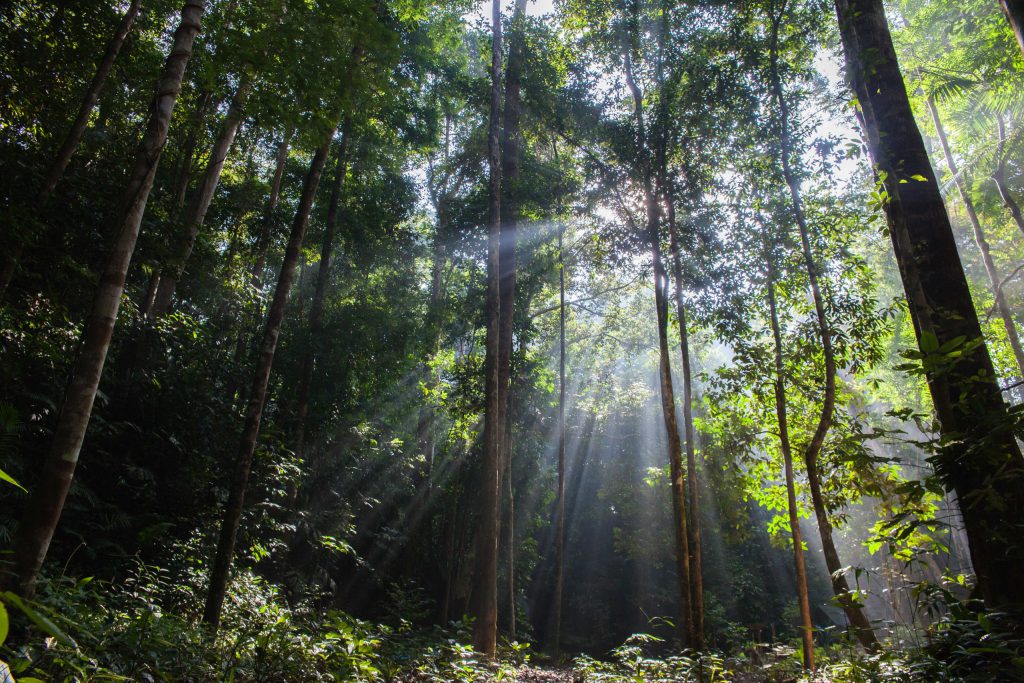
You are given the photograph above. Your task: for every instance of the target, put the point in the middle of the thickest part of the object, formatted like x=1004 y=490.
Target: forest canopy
x=538 y=340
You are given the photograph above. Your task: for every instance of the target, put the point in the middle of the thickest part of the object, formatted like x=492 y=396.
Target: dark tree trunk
x=221 y=567
x=9 y=262
x=485 y=576
x=171 y=273
x=806 y=627
x=680 y=529
x=973 y=418
x=269 y=222
x=43 y=513
x=696 y=556
x=60 y=162
x=316 y=308
x=1014 y=11
x=560 y=509
x=840 y=587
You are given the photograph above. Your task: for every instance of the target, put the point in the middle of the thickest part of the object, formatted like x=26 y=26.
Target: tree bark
x=979 y=458
x=55 y=171
x=269 y=217
x=806 y=627
x=1005 y=313
x=999 y=177
x=560 y=510
x=316 y=309
x=60 y=162
x=43 y=513
x=840 y=587
x=680 y=529
x=696 y=556
x=484 y=600
x=257 y=395
x=172 y=271
x=1014 y=11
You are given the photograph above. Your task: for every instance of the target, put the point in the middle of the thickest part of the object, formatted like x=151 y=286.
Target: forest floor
x=530 y=674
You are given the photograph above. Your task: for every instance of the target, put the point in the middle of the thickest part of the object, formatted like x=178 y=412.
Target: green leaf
x=5 y=623
x=44 y=624
x=10 y=480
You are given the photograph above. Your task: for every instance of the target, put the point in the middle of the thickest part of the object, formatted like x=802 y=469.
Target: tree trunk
x=979 y=237
x=188 y=152
x=316 y=309
x=510 y=545
x=696 y=559
x=60 y=162
x=1014 y=11
x=257 y=397
x=685 y=623
x=9 y=263
x=171 y=273
x=806 y=627
x=485 y=576
x=43 y=513
x=999 y=177
x=973 y=418
x=840 y=587
x=560 y=511
x=269 y=217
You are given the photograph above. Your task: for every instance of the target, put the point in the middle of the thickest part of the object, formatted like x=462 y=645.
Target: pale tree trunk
x=560 y=509
x=54 y=173
x=193 y=222
x=806 y=627
x=44 y=509
x=840 y=587
x=1012 y=336
x=1014 y=11
x=316 y=309
x=680 y=529
x=695 y=541
x=221 y=566
x=999 y=177
x=966 y=395
x=484 y=601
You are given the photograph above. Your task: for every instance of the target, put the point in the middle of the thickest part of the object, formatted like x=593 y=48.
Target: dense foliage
x=655 y=281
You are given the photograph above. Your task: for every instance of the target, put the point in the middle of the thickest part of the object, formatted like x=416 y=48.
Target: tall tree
x=979 y=459
x=485 y=576
x=999 y=176
x=668 y=401
x=803 y=599
x=62 y=158
x=193 y=222
x=221 y=565
x=854 y=612
x=44 y=510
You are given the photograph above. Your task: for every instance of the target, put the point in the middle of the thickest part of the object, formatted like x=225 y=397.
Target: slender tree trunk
x=60 y=162
x=269 y=221
x=485 y=580
x=193 y=223
x=560 y=511
x=696 y=556
x=999 y=177
x=43 y=513
x=9 y=262
x=510 y=544
x=974 y=422
x=840 y=587
x=316 y=309
x=685 y=624
x=1014 y=11
x=511 y=141
x=204 y=102
x=806 y=627
x=257 y=397
x=1005 y=313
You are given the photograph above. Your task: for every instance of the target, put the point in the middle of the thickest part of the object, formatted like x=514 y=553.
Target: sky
x=534 y=8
